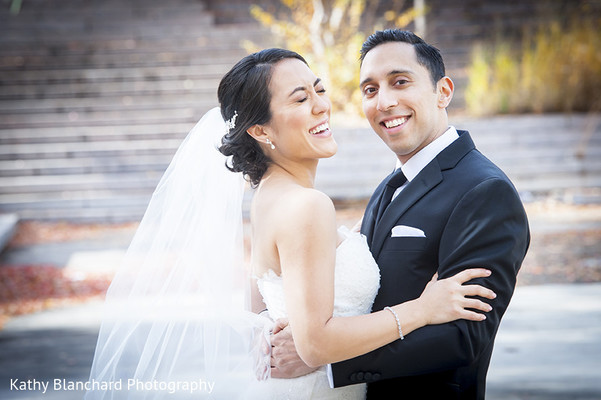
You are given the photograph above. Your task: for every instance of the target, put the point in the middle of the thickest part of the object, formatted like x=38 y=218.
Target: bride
x=179 y=321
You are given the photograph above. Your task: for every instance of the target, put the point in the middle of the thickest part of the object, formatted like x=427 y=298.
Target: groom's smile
x=395 y=124
x=400 y=101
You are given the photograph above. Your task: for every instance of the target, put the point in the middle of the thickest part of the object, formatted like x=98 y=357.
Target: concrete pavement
x=548 y=347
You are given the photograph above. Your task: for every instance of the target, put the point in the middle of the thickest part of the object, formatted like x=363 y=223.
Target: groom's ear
x=445 y=88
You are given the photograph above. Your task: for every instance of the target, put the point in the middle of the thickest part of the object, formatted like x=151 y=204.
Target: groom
x=451 y=209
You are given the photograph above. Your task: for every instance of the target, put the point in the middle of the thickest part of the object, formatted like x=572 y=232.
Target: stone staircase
x=96 y=96
x=557 y=156
x=552 y=155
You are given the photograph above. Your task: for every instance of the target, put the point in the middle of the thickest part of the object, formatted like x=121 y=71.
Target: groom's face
x=400 y=101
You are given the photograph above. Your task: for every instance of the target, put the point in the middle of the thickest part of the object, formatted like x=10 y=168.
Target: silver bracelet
x=398 y=322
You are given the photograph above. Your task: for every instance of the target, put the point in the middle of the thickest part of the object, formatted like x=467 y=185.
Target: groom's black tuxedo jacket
x=471 y=216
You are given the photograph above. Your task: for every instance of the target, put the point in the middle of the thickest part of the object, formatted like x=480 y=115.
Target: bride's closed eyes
x=317 y=86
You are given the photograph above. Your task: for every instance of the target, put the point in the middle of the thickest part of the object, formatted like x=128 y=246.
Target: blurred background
x=96 y=96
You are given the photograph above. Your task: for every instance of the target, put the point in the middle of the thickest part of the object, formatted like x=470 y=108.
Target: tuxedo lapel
x=427 y=179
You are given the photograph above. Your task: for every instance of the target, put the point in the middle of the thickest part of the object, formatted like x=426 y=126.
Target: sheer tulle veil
x=177 y=322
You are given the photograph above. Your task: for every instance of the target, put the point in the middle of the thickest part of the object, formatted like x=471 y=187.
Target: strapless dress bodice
x=356 y=283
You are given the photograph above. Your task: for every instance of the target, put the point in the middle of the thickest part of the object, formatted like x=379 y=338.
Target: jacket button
x=368 y=376
x=376 y=376
x=353 y=377
x=360 y=376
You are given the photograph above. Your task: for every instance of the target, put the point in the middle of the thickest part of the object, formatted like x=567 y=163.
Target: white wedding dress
x=357 y=280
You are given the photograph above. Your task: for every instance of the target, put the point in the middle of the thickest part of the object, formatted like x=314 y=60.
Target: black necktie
x=396 y=181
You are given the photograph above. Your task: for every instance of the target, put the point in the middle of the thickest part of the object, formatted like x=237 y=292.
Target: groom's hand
x=285 y=361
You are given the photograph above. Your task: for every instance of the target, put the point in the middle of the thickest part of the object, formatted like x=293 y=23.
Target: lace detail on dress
x=356 y=283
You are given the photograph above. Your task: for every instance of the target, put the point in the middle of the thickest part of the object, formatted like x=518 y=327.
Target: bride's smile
x=299 y=127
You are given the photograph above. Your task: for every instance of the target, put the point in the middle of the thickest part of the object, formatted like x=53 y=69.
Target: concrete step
x=229 y=35
x=521 y=168
x=507 y=138
x=541 y=137
x=100 y=89
x=91 y=214
x=79 y=150
x=74 y=123
x=108 y=102
x=57 y=5
x=108 y=23
x=101 y=75
x=190 y=36
x=547 y=168
x=83 y=196
x=124 y=12
x=112 y=24
x=172 y=58
x=106 y=47
x=19 y=127
x=530 y=128
x=79 y=182
x=526 y=176
x=558 y=183
x=121 y=147
x=529 y=188
x=63 y=55
x=508 y=156
x=99 y=132
x=93 y=117
x=71 y=166
x=86 y=206
x=90 y=133
x=82 y=199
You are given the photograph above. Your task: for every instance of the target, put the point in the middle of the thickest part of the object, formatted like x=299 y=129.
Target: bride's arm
x=306 y=244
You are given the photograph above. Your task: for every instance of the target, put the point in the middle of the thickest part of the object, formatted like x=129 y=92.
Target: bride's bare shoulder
x=281 y=206
x=306 y=203
x=304 y=215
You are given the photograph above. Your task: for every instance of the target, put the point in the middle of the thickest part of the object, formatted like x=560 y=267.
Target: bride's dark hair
x=245 y=90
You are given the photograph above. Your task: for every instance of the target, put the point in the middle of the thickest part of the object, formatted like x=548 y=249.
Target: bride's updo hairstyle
x=244 y=90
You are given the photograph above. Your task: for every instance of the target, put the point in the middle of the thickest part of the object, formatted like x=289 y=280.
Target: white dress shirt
x=411 y=168
x=415 y=164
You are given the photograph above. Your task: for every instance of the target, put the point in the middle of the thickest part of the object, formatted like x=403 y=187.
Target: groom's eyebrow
x=365 y=81
x=391 y=73
x=303 y=88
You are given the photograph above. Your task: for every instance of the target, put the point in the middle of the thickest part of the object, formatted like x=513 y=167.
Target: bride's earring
x=269 y=143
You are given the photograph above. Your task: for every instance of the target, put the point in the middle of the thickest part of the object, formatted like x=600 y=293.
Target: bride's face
x=299 y=125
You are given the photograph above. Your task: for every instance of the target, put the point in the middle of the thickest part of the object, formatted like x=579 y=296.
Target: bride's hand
x=447 y=299
x=285 y=361
x=357 y=226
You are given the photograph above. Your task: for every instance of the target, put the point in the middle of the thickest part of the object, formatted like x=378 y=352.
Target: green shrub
x=556 y=69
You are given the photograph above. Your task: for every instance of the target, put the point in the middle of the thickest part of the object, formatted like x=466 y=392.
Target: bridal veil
x=177 y=322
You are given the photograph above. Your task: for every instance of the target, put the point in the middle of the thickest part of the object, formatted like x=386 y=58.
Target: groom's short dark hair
x=427 y=55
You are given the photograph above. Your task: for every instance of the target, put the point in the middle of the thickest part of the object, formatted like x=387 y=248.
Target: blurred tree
x=329 y=34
